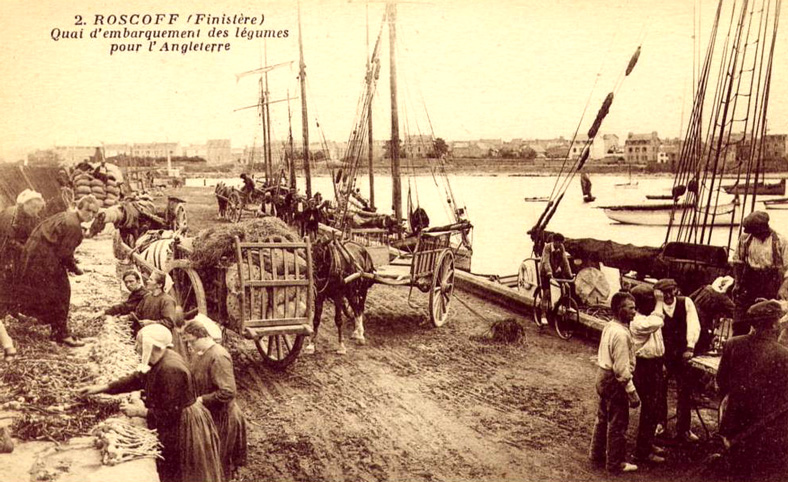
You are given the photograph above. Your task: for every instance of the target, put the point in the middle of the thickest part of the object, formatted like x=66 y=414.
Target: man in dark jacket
x=754 y=414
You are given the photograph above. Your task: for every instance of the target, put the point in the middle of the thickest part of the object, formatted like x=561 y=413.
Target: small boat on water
x=779 y=203
x=659 y=197
x=661 y=214
x=762 y=188
x=536 y=199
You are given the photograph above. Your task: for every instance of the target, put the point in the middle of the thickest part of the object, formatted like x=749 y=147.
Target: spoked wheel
x=180 y=219
x=527 y=275
x=279 y=351
x=567 y=317
x=235 y=207
x=188 y=291
x=538 y=311
x=442 y=288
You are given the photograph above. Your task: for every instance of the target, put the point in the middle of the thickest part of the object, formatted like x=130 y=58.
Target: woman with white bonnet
x=713 y=304
x=214 y=380
x=16 y=224
x=190 y=444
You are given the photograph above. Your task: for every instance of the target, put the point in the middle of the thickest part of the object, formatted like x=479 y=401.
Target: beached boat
x=761 y=189
x=665 y=214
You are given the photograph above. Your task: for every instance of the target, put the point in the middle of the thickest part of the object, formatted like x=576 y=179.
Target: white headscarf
x=28 y=195
x=150 y=336
x=722 y=284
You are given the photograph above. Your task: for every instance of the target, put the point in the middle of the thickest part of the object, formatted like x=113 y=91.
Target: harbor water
x=501 y=217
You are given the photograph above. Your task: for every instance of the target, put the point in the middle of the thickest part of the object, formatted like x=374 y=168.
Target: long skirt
x=192 y=453
x=231 y=426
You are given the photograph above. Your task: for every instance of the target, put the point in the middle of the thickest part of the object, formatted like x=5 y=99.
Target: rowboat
x=779 y=203
x=661 y=214
x=762 y=188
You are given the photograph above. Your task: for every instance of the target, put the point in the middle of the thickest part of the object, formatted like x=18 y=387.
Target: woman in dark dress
x=16 y=224
x=214 y=381
x=190 y=444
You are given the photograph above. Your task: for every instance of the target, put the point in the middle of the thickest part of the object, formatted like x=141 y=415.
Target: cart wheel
x=180 y=221
x=527 y=276
x=442 y=288
x=567 y=317
x=279 y=351
x=235 y=207
x=538 y=312
x=188 y=291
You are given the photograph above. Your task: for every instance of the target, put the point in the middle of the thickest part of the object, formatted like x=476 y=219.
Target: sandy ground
x=419 y=403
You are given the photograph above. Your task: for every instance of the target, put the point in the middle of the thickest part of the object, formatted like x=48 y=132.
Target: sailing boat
x=346 y=193
x=629 y=184
x=690 y=254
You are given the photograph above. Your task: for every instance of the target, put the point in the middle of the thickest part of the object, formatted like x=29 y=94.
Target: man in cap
x=646 y=329
x=617 y=394
x=760 y=266
x=754 y=413
x=713 y=304
x=554 y=264
x=680 y=333
x=268 y=208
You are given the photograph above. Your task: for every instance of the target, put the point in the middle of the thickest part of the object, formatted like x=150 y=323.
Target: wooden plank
x=270 y=283
x=272 y=245
x=239 y=259
x=303 y=329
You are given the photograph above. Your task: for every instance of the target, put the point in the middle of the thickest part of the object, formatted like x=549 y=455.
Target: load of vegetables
x=121 y=441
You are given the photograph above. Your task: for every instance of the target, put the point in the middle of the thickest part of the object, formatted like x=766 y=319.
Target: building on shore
x=641 y=148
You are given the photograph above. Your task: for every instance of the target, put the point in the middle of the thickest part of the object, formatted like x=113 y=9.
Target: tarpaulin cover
x=626 y=257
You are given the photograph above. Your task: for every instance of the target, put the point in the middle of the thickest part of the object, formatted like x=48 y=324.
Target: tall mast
x=395 y=175
x=304 y=116
x=263 y=121
x=370 y=148
x=269 y=172
x=291 y=164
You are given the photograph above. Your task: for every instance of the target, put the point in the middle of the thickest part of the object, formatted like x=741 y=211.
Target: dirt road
x=418 y=403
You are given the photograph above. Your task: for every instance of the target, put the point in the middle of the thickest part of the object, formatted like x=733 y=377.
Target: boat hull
x=781 y=203
x=773 y=189
x=661 y=215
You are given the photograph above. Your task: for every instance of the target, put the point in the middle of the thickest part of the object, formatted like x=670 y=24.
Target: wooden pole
x=304 y=116
x=370 y=149
x=396 y=182
x=291 y=164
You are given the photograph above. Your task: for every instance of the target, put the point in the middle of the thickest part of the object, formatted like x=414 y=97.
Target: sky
x=466 y=69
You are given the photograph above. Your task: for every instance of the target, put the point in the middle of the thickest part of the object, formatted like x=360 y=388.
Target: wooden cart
x=430 y=268
x=271 y=292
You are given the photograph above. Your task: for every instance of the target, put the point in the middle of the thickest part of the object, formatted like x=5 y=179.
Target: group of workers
x=656 y=332
x=290 y=207
x=36 y=259
x=186 y=376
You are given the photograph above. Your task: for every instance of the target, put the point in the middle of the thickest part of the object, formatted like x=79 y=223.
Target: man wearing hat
x=680 y=333
x=760 y=266
x=754 y=413
x=646 y=329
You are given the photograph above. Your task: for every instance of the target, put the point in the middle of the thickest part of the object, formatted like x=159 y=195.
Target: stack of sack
x=113 y=192
x=107 y=193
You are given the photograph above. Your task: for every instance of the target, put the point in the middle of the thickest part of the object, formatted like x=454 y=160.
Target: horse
x=129 y=218
x=343 y=274
x=222 y=193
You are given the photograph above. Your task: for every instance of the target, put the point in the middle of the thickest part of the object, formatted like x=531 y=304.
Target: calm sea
x=501 y=217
